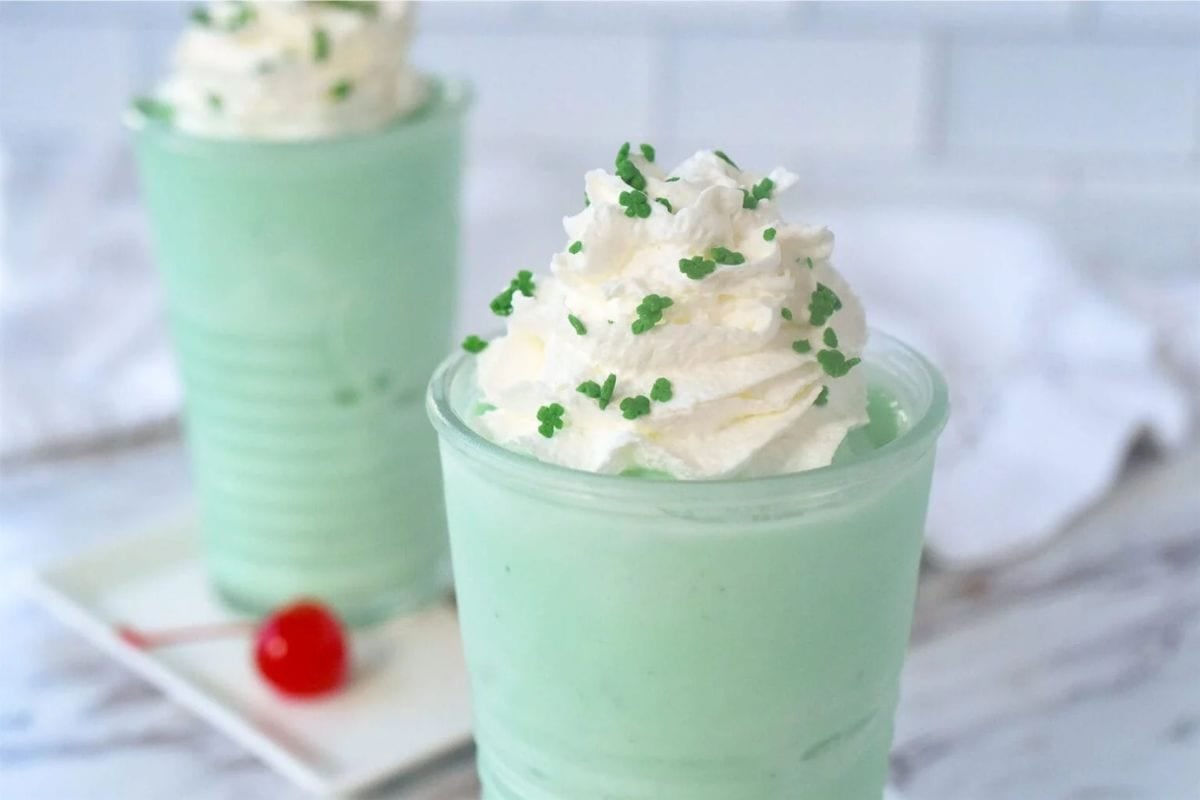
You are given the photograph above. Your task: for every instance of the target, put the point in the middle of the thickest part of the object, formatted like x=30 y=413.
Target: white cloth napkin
x=1050 y=381
x=83 y=349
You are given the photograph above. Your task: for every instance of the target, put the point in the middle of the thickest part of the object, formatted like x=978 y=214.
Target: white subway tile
x=830 y=96
x=101 y=13
x=1073 y=99
x=667 y=17
x=974 y=16
x=59 y=78
x=442 y=16
x=1129 y=17
x=530 y=85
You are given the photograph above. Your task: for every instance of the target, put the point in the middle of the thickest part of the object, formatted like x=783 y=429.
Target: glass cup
x=310 y=286
x=689 y=640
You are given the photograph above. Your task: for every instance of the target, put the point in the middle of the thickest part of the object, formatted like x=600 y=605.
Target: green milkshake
x=685 y=542
x=303 y=188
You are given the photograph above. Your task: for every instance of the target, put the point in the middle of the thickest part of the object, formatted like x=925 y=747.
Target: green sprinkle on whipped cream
x=320 y=44
x=341 y=90
x=636 y=406
x=716 y=339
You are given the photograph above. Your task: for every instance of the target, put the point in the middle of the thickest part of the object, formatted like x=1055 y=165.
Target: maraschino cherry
x=300 y=649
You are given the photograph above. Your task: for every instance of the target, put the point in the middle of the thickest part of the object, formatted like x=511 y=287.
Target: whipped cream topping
x=760 y=352
x=291 y=70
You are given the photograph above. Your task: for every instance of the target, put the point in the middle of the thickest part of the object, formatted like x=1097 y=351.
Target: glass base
x=356 y=612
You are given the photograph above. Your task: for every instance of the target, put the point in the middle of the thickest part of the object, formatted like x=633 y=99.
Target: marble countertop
x=1070 y=675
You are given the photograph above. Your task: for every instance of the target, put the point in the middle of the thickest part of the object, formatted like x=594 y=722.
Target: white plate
x=406 y=704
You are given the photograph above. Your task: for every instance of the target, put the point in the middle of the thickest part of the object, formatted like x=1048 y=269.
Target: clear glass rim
x=447 y=98
x=911 y=445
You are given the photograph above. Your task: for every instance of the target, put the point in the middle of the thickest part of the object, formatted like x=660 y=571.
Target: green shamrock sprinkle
x=622 y=154
x=823 y=397
x=631 y=174
x=589 y=389
x=587 y=201
x=200 y=16
x=606 y=391
x=650 y=312
x=835 y=363
x=502 y=303
x=723 y=255
x=721 y=155
x=665 y=203
x=577 y=324
x=697 y=267
x=786 y=313
x=762 y=190
x=758 y=192
x=822 y=305
x=769 y=234
x=603 y=394
x=215 y=103
x=661 y=391
x=801 y=346
x=647 y=152
x=551 y=418
x=320 y=38
x=635 y=203
x=524 y=283
x=671 y=180
x=628 y=171
x=473 y=344
x=575 y=247
x=152 y=108
x=830 y=338
x=341 y=90
x=636 y=406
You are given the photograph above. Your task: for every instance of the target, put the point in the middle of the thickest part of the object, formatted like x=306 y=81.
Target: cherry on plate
x=301 y=650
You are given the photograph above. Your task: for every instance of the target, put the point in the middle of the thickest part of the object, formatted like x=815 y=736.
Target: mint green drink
x=685 y=499
x=310 y=285
x=700 y=640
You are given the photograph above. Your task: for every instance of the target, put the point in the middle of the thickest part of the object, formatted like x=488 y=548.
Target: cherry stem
x=146 y=640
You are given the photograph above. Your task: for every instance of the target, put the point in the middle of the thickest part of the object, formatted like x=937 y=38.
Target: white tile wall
x=986 y=15
x=1091 y=99
x=839 y=96
x=535 y=85
x=1086 y=115
x=1173 y=18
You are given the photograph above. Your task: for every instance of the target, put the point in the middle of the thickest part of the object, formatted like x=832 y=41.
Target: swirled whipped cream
x=290 y=70
x=685 y=329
